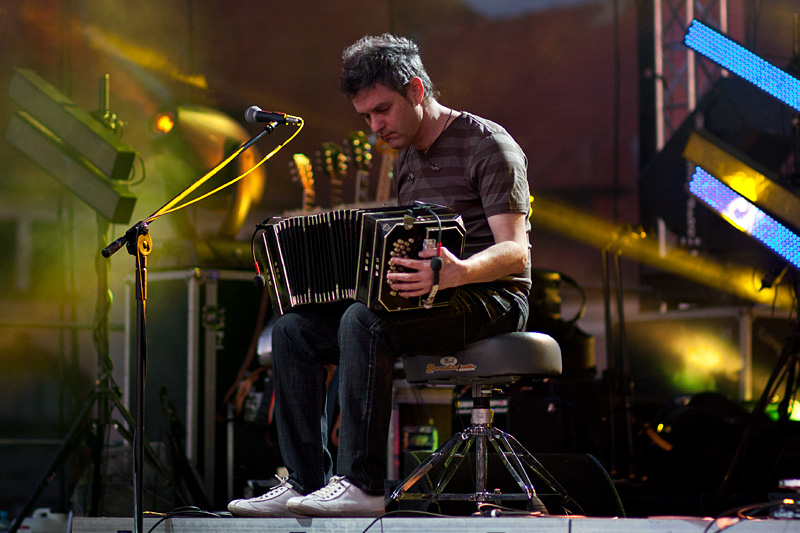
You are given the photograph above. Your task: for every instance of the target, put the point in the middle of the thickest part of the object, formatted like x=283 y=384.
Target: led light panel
x=744 y=175
x=740 y=61
x=745 y=216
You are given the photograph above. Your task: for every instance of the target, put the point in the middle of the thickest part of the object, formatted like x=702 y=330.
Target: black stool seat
x=502 y=359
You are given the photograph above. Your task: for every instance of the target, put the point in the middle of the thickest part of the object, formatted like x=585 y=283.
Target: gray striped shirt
x=476 y=168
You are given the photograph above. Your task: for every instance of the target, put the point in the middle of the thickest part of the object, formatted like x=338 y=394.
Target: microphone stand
x=139 y=243
x=616 y=377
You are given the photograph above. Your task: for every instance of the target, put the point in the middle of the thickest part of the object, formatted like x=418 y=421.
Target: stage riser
x=552 y=524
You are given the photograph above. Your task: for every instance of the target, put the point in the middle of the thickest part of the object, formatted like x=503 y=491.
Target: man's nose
x=377 y=124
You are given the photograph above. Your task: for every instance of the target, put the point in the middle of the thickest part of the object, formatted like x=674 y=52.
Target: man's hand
x=417 y=278
x=509 y=255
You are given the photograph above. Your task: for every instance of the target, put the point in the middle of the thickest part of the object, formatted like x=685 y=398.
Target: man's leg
x=365 y=392
x=302 y=342
x=370 y=344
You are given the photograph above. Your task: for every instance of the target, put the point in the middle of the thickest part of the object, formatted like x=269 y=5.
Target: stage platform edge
x=506 y=524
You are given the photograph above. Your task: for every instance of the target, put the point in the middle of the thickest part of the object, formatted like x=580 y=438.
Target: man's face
x=393 y=117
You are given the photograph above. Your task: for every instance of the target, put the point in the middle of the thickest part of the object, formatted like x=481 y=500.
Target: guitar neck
x=362 y=186
x=384 y=190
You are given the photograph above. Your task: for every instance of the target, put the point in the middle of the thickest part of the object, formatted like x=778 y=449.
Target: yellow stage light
x=633 y=243
x=164 y=122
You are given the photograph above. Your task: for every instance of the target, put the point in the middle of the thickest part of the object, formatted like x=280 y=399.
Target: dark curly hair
x=386 y=59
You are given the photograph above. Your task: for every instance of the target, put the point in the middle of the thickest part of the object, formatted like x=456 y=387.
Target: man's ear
x=416 y=91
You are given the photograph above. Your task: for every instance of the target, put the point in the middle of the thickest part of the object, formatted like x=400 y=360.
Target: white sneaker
x=338 y=498
x=272 y=504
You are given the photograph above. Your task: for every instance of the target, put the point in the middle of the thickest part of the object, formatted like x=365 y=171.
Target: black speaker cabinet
x=581 y=476
x=200 y=323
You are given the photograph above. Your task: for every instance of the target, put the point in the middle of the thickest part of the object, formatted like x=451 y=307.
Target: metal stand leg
x=450 y=455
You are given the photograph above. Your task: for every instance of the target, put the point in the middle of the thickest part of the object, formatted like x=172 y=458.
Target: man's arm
x=509 y=255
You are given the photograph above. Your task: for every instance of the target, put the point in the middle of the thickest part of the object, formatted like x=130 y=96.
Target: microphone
x=256 y=114
x=259 y=281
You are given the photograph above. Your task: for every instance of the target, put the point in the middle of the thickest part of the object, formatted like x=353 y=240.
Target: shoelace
x=282 y=486
x=333 y=487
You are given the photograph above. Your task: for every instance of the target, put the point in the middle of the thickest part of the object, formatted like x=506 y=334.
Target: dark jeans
x=365 y=345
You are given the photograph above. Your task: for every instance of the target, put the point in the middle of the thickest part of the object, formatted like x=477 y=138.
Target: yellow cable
x=171 y=206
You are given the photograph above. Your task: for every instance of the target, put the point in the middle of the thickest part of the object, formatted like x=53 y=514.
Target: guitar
x=362 y=157
x=300 y=168
x=335 y=165
x=388 y=156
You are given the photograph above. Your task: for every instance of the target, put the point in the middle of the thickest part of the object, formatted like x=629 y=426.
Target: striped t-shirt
x=474 y=167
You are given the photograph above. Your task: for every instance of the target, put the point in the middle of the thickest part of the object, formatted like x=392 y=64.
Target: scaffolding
x=682 y=76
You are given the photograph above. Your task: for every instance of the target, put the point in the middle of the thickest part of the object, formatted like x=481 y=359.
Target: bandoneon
x=344 y=254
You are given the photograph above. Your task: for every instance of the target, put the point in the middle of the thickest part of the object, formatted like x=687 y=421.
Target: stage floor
x=550 y=524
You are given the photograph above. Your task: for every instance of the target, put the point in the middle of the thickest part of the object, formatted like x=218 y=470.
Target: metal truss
x=682 y=76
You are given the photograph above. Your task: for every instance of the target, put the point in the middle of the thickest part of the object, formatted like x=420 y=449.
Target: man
x=449 y=158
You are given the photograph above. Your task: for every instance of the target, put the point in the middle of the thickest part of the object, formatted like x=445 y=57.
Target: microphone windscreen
x=259 y=281
x=251 y=113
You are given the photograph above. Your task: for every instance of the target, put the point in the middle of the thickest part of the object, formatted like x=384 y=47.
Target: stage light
x=747 y=177
x=67 y=121
x=163 y=123
x=745 y=216
x=737 y=59
x=729 y=277
x=109 y=198
x=72 y=146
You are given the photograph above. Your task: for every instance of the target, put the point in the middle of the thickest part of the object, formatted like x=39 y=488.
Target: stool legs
x=513 y=455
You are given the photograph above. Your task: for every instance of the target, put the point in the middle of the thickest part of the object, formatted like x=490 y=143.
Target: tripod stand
x=618 y=385
x=787 y=371
x=104 y=397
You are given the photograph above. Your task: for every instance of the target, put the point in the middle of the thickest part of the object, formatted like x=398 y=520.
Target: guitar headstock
x=361 y=154
x=361 y=150
x=300 y=168
x=334 y=164
x=335 y=160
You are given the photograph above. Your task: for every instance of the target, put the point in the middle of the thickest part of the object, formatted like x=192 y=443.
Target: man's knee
x=357 y=316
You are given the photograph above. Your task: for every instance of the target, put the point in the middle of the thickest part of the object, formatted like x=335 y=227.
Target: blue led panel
x=744 y=63
x=745 y=216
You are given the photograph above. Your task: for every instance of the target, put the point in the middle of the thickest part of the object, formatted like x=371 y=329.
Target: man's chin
x=397 y=144
x=394 y=141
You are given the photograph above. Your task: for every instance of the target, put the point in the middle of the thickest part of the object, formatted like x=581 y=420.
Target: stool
x=500 y=360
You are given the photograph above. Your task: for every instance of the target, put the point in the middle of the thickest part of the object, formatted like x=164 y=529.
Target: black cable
x=133 y=181
x=185 y=512
x=429 y=208
x=403 y=511
x=259 y=280
x=743 y=513
x=616 y=112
